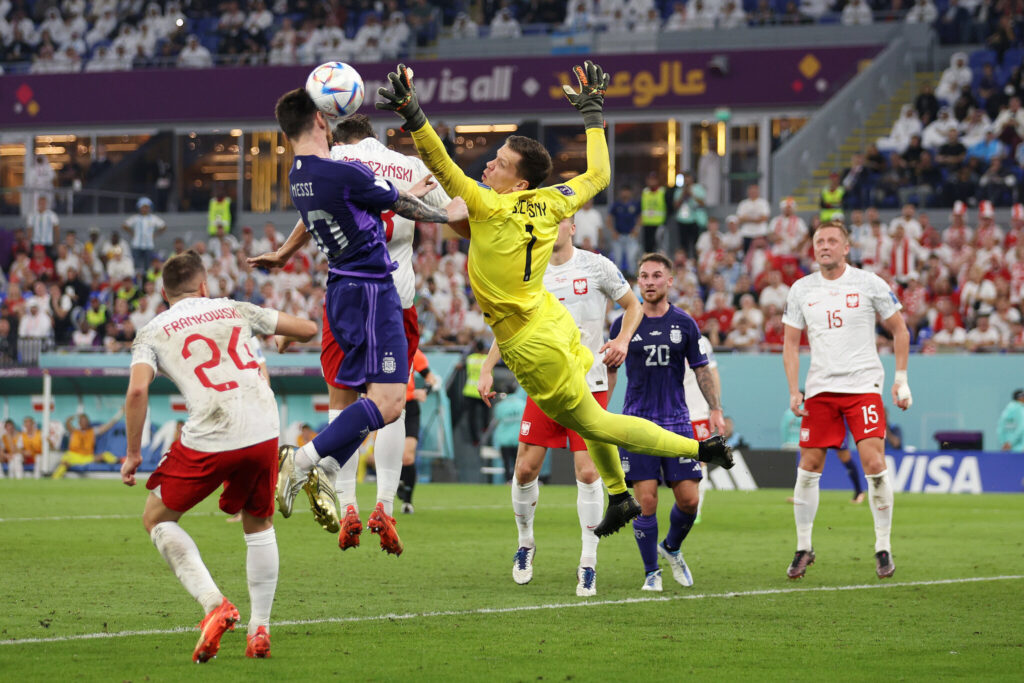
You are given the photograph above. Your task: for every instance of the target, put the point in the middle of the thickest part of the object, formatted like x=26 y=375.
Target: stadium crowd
x=961 y=284
x=94 y=293
x=958 y=141
x=45 y=36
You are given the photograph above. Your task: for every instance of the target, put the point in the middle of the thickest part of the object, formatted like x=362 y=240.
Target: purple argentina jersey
x=340 y=204
x=655 y=366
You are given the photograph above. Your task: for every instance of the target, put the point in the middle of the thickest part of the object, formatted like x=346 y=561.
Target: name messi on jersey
x=188 y=321
x=302 y=189
x=530 y=209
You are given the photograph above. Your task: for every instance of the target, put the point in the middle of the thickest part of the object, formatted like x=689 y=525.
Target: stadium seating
x=22 y=54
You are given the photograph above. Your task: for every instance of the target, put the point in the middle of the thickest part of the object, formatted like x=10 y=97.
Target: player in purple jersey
x=340 y=204
x=666 y=340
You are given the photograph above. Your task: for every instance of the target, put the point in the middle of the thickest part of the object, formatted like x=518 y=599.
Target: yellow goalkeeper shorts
x=548 y=360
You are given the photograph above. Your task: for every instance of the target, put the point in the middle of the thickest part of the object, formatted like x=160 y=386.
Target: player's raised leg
x=342 y=437
x=642 y=436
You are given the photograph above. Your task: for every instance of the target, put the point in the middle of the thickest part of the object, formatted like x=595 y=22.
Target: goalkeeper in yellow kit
x=512 y=228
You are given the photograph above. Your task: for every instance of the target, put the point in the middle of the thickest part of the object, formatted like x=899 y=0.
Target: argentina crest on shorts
x=388 y=364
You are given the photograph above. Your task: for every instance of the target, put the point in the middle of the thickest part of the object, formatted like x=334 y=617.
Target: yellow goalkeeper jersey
x=513 y=234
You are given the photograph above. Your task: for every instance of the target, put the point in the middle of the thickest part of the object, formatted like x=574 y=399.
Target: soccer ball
x=336 y=88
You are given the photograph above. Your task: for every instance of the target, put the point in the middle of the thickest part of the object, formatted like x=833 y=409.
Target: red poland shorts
x=823 y=426
x=701 y=429
x=537 y=429
x=185 y=477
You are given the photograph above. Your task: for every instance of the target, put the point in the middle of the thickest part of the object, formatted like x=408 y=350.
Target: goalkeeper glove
x=589 y=101
x=402 y=100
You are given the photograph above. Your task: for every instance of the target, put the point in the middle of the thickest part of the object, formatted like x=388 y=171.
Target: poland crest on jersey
x=675 y=335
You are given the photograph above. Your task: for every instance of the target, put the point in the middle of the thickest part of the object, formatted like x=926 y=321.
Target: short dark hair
x=833 y=223
x=534 y=161
x=295 y=111
x=657 y=257
x=353 y=129
x=181 y=272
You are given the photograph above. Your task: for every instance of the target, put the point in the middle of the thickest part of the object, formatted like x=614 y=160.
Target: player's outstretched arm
x=299 y=329
x=409 y=206
x=589 y=101
x=615 y=350
x=278 y=259
x=136 y=402
x=897 y=327
x=401 y=99
x=290 y=329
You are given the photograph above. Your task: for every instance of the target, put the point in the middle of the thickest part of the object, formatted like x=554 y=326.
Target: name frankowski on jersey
x=185 y=322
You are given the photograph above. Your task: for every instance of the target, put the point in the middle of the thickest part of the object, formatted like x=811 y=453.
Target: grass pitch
x=87 y=597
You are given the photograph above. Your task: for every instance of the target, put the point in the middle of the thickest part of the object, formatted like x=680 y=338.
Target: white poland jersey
x=695 y=402
x=403 y=172
x=202 y=345
x=584 y=284
x=839 y=316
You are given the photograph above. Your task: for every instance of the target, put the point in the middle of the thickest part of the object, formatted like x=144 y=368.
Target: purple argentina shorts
x=642 y=467
x=365 y=340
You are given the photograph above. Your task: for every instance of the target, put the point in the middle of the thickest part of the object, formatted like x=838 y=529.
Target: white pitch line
x=530 y=608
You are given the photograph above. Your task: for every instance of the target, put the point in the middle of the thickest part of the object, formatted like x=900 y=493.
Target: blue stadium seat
x=978 y=58
x=211 y=43
x=208 y=25
x=1012 y=58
